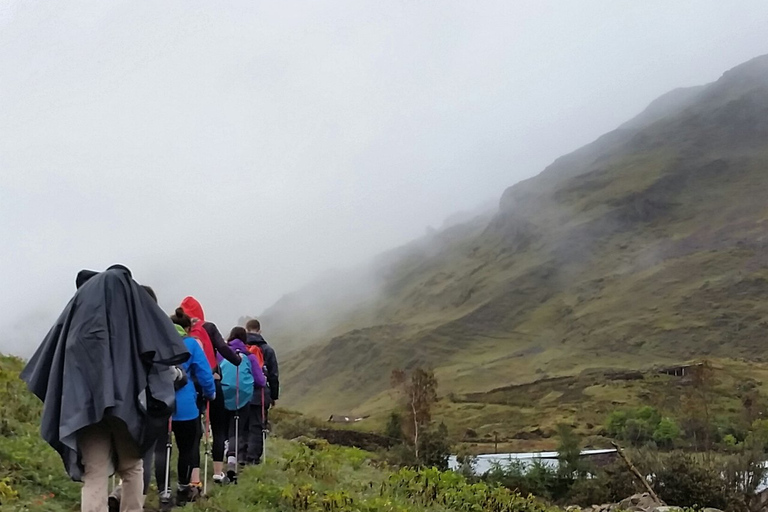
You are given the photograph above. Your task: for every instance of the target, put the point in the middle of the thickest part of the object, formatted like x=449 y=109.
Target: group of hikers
x=119 y=379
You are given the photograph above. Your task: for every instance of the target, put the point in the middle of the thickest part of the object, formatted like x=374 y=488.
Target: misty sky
x=236 y=150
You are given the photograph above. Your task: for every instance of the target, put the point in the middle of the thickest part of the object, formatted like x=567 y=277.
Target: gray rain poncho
x=106 y=355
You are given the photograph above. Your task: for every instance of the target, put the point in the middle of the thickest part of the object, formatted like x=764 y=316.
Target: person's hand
x=179 y=378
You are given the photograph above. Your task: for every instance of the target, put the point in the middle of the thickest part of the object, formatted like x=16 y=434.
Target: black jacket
x=270 y=369
x=219 y=345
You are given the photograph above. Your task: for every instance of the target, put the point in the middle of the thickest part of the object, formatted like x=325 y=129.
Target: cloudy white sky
x=235 y=150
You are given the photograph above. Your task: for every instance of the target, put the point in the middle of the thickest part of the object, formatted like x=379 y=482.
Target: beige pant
x=96 y=444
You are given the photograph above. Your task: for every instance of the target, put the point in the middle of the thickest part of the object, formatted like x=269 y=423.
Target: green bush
x=666 y=433
x=450 y=491
x=757 y=438
x=394 y=428
x=688 y=481
x=586 y=492
x=642 y=426
x=730 y=441
x=435 y=448
x=537 y=479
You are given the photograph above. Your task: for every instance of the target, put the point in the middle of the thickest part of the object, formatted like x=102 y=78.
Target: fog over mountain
x=240 y=150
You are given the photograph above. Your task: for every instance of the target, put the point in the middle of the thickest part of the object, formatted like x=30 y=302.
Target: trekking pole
x=207 y=445
x=168 y=446
x=263 y=428
x=237 y=420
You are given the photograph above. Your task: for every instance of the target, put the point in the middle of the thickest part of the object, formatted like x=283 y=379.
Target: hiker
x=238 y=388
x=180 y=380
x=262 y=401
x=97 y=374
x=186 y=421
x=214 y=344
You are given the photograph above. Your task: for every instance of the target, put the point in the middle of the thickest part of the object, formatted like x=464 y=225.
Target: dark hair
x=237 y=333
x=253 y=325
x=180 y=318
x=150 y=291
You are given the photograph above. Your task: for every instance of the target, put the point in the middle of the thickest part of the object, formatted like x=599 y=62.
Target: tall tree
x=419 y=392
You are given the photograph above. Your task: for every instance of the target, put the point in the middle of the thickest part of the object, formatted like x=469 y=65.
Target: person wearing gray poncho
x=100 y=374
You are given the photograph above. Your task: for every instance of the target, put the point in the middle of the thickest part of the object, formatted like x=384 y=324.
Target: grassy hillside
x=32 y=477
x=646 y=247
x=308 y=476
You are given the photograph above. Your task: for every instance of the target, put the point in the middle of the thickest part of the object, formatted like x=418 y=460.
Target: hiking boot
x=232 y=472
x=166 y=501
x=220 y=479
x=196 y=490
x=184 y=494
x=113 y=502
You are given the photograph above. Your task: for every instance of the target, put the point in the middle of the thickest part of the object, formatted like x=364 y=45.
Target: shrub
x=394 y=428
x=642 y=426
x=615 y=424
x=687 y=481
x=537 y=478
x=666 y=433
x=435 y=448
x=590 y=491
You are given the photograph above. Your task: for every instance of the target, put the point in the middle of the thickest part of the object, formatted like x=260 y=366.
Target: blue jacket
x=199 y=371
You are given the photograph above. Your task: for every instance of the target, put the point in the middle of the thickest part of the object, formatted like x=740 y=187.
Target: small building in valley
x=680 y=370
x=345 y=418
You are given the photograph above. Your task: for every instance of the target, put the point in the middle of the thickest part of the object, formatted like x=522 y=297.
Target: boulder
x=644 y=502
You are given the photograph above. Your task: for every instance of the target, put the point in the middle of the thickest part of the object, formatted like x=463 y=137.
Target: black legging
x=187 y=434
x=219 y=424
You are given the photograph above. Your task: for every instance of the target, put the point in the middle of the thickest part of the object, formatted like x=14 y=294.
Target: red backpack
x=256 y=351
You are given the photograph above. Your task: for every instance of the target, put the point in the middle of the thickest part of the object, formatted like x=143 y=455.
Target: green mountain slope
x=32 y=477
x=646 y=246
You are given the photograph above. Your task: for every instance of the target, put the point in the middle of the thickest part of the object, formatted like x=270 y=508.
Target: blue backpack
x=237 y=383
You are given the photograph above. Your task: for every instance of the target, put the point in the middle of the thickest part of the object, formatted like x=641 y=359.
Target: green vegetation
x=727 y=482
x=643 y=425
x=309 y=475
x=328 y=478
x=32 y=477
